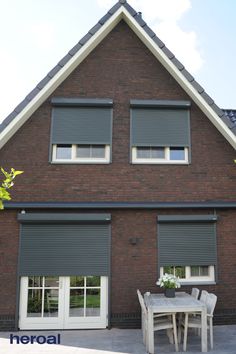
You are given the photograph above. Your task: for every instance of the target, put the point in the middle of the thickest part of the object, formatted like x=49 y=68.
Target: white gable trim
x=183 y=82
x=65 y=71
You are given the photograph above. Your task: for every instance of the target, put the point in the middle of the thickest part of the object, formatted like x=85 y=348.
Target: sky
x=36 y=34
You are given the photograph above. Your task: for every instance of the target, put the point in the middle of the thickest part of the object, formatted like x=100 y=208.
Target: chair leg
x=211 y=332
x=185 y=332
x=180 y=315
x=175 y=332
x=144 y=330
x=169 y=333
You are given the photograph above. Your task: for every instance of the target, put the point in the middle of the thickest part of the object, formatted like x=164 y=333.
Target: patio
x=124 y=341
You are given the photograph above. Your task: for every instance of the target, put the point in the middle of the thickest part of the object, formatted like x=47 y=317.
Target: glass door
x=53 y=302
x=86 y=302
x=40 y=301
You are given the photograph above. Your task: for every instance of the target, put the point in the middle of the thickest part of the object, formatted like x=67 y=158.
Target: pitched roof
x=230 y=119
x=121 y=10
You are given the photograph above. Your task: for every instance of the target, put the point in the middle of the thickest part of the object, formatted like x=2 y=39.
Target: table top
x=182 y=302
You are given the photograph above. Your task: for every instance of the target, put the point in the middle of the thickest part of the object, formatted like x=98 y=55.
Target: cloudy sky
x=36 y=34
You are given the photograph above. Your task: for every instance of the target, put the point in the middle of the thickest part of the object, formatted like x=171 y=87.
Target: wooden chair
x=195 y=321
x=161 y=321
x=195 y=293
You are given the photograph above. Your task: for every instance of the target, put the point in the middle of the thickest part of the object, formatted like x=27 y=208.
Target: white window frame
x=165 y=160
x=81 y=160
x=194 y=279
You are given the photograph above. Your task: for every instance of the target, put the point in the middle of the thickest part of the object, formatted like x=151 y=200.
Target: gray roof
x=224 y=115
x=230 y=116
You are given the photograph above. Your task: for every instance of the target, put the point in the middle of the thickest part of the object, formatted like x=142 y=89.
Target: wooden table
x=182 y=302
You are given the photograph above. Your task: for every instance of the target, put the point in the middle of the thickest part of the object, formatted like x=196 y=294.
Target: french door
x=63 y=302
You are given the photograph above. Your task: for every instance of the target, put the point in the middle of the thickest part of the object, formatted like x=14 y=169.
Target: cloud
x=163 y=16
x=183 y=44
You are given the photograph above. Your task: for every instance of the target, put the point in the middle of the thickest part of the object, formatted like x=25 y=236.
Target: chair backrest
x=203 y=296
x=141 y=301
x=211 y=303
x=195 y=293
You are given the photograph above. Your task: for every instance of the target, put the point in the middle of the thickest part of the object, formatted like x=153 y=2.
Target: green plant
x=169 y=281
x=6 y=184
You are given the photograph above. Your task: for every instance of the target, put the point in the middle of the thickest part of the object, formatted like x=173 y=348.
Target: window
x=187 y=247
x=160 y=131
x=73 y=153
x=162 y=155
x=81 y=130
x=63 y=152
x=191 y=273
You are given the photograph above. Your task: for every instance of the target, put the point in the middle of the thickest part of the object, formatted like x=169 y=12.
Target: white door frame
x=63 y=321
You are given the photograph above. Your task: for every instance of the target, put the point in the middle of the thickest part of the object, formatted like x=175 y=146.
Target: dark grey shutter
x=186 y=241
x=160 y=127
x=81 y=125
x=73 y=246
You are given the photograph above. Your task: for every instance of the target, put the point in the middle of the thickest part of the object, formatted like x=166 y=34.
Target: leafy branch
x=7 y=184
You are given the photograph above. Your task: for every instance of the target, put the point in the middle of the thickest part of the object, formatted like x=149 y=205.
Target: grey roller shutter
x=81 y=125
x=160 y=127
x=72 y=247
x=187 y=241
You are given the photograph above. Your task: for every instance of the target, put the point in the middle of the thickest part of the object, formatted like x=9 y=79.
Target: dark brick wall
x=132 y=266
x=122 y=68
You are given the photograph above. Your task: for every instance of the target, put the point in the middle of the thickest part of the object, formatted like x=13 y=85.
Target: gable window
x=187 y=247
x=155 y=154
x=160 y=132
x=63 y=152
x=81 y=130
x=81 y=153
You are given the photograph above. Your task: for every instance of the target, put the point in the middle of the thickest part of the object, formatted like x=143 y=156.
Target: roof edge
x=121 y=10
x=122 y=205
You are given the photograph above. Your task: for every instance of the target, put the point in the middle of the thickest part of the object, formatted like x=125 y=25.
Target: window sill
x=207 y=282
x=159 y=163
x=80 y=162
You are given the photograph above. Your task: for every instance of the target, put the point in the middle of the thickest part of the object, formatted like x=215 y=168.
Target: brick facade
x=122 y=68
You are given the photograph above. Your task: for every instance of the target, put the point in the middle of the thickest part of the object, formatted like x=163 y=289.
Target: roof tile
x=167 y=52
x=148 y=30
x=43 y=82
x=207 y=98
x=217 y=110
x=230 y=115
x=197 y=86
x=8 y=120
x=33 y=93
x=65 y=60
x=95 y=28
x=177 y=63
x=75 y=49
x=138 y=18
x=104 y=18
x=158 y=42
x=114 y=8
x=130 y=9
x=85 y=38
x=187 y=75
x=54 y=71
x=21 y=106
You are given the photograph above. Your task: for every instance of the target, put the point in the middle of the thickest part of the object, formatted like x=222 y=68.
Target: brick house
x=128 y=172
